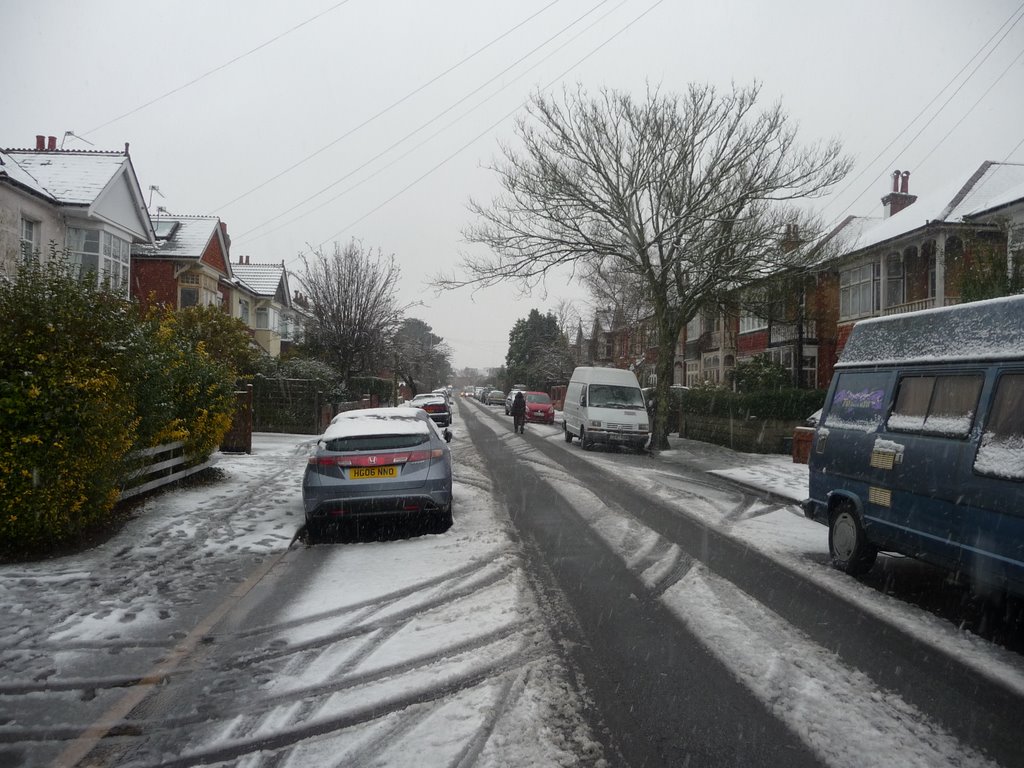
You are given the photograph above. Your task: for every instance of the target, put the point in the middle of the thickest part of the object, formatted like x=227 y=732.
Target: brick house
x=188 y=265
x=921 y=253
x=87 y=204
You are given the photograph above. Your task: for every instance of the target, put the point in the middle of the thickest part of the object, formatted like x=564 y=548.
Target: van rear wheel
x=848 y=544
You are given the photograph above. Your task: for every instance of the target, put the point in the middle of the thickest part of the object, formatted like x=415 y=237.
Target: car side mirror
x=447 y=434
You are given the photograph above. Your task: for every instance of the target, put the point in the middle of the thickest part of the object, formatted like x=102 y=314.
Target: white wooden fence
x=165 y=464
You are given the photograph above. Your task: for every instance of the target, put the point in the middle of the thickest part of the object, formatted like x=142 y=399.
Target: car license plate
x=372 y=473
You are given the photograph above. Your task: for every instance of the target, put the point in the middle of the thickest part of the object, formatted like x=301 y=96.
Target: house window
x=751 y=322
x=243 y=310
x=262 y=318
x=114 y=260
x=858 y=291
x=29 y=239
x=101 y=254
x=84 y=251
x=894 y=292
x=195 y=289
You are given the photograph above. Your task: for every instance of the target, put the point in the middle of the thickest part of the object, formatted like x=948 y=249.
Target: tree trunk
x=668 y=333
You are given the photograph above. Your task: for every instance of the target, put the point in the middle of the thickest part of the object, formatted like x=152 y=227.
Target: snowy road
x=198 y=636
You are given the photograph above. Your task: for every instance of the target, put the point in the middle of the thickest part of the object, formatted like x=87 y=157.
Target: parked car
x=511 y=394
x=495 y=397
x=379 y=463
x=539 y=408
x=438 y=406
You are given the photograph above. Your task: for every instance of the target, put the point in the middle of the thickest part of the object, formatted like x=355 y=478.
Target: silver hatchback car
x=380 y=463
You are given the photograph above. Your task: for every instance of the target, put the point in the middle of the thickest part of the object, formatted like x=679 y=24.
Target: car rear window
x=538 y=399
x=375 y=442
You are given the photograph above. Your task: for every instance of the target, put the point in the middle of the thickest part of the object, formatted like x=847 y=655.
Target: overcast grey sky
x=310 y=121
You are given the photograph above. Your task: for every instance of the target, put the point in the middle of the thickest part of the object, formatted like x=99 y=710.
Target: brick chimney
x=900 y=197
x=40 y=142
x=51 y=143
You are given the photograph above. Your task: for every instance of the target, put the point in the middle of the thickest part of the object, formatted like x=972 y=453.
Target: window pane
x=1001 y=452
x=912 y=398
x=954 y=402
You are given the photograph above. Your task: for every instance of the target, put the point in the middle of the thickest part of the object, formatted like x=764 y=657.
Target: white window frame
x=30 y=235
x=859 y=290
x=750 y=322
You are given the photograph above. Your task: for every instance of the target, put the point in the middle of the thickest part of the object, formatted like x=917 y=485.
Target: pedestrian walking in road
x=519 y=413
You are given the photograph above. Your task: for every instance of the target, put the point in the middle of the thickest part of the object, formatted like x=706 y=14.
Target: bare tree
x=690 y=194
x=355 y=312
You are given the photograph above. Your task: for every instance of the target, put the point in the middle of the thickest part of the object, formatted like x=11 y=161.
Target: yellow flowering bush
x=85 y=378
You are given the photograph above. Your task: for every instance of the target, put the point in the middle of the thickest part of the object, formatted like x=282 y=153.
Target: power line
x=487 y=130
x=388 y=108
x=1016 y=13
x=972 y=108
x=428 y=122
x=225 y=65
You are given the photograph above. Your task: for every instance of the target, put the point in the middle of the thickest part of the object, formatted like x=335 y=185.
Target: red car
x=539 y=408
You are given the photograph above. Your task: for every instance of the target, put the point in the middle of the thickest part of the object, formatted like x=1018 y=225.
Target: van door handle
x=819 y=446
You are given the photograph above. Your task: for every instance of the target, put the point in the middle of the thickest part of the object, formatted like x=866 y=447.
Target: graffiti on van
x=858 y=402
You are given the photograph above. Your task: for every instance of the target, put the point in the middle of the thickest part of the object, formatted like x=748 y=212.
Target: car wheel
x=441 y=521
x=585 y=441
x=848 y=544
x=568 y=434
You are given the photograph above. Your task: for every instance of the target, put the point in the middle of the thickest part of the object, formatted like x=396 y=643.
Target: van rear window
x=936 y=405
x=1001 y=452
x=858 y=402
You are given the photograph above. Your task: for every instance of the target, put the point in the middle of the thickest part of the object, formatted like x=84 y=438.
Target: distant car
x=539 y=408
x=436 y=405
x=495 y=397
x=379 y=463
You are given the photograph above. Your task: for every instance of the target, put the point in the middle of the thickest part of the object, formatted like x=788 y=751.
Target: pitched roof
x=988 y=186
x=180 y=237
x=70 y=177
x=261 y=279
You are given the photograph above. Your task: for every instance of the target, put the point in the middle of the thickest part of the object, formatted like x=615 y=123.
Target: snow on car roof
x=377 y=421
x=981 y=330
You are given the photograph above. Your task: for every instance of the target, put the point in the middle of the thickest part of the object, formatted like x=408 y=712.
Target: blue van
x=920 y=447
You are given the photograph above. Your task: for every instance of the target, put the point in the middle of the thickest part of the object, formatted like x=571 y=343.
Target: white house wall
x=13 y=206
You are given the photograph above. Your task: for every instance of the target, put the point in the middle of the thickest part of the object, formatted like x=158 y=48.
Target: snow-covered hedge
x=84 y=379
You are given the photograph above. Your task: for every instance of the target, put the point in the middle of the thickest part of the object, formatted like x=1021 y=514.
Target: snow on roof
x=1012 y=194
x=981 y=330
x=261 y=279
x=377 y=421
x=189 y=238
x=951 y=203
x=72 y=177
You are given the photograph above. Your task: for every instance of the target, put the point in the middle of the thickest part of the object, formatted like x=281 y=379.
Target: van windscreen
x=614 y=396
x=859 y=401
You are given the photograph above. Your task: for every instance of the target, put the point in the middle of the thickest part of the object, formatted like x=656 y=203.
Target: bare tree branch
x=689 y=195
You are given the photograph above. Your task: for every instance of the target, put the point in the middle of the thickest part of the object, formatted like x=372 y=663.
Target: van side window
x=1001 y=452
x=858 y=402
x=936 y=405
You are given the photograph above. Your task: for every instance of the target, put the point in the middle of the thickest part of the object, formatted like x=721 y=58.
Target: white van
x=605 y=405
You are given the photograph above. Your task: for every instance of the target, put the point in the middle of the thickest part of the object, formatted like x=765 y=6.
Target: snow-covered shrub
x=85 y=378
x=68 y=418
